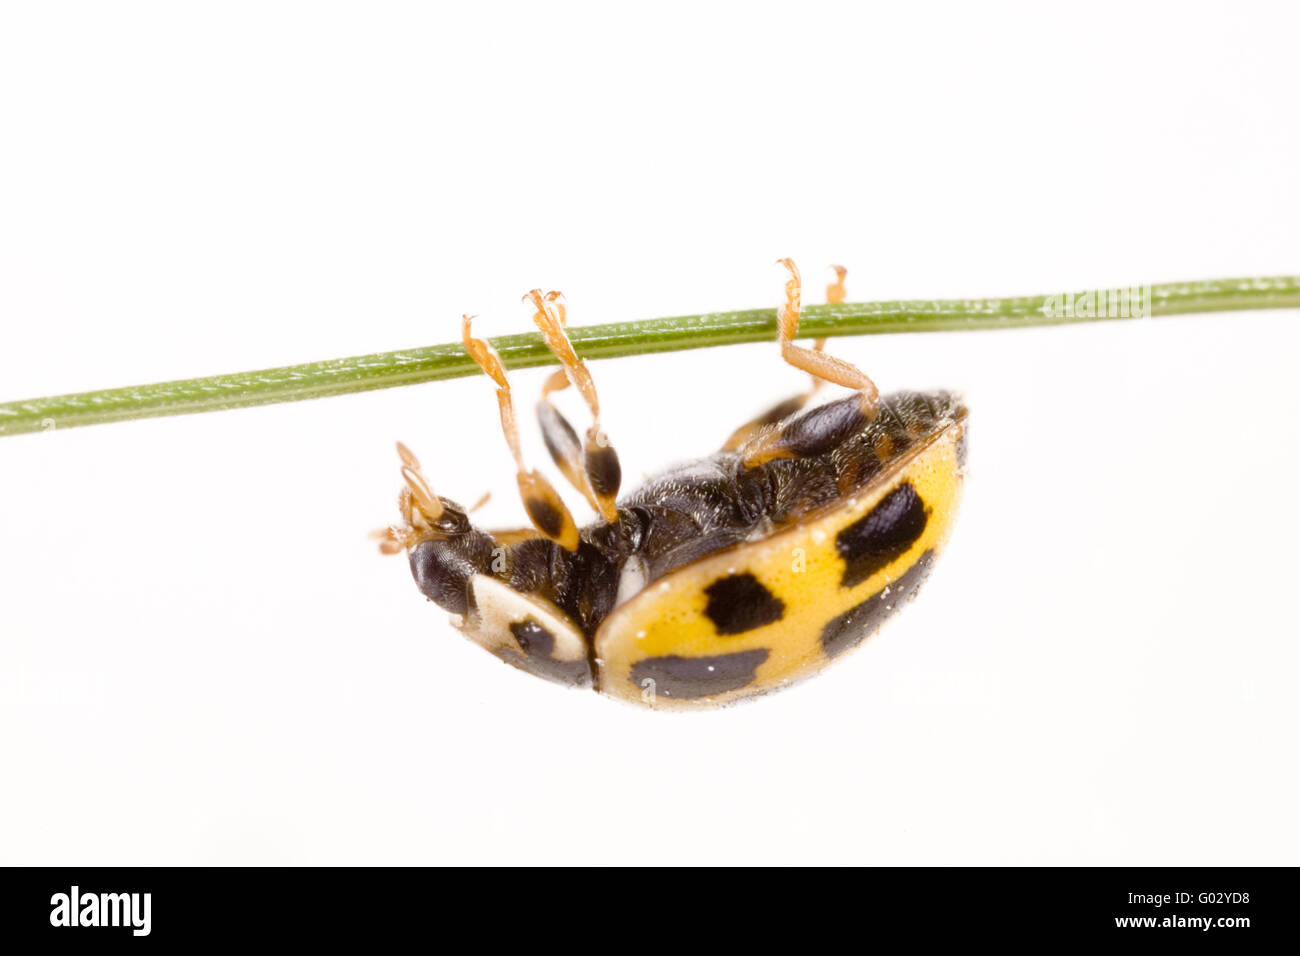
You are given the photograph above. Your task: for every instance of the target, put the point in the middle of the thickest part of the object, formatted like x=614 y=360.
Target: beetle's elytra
x=721 y=579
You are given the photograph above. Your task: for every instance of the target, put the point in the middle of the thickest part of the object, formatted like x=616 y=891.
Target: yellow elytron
x=801 y=567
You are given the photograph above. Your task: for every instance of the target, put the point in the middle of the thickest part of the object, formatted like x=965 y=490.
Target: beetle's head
x=444 y=547
x=459 y=568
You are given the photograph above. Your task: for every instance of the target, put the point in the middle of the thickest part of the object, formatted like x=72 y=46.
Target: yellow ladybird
x=722 y=579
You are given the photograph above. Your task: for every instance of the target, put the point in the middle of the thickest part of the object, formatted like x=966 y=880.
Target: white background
x=202 y=658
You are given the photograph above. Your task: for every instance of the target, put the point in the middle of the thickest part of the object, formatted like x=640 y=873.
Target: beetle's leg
x=598 y=461
x=394 y=539
x=835 y=294
x=817 y=363
x=419 y=502
x=562 y=441
x=545 y=508
x=819 y=430
x=418 y=505
x=778 y=412
x=509 y=537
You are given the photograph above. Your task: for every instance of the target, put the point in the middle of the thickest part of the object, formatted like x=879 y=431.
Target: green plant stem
x=408 y=367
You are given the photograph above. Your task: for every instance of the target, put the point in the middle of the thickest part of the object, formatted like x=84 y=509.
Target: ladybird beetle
x=721 y=579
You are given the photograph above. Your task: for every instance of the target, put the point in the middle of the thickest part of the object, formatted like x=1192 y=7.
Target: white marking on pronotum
x=496 y=607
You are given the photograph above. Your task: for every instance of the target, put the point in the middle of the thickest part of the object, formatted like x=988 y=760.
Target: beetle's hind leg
x=590 y=463
x=835 y=294
x=545 y=508
x=814 y=361
x=823 y=428
x=777 y=413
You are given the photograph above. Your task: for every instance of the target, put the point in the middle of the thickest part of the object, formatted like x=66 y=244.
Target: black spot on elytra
x=882 y=535
x=855 y=625
x=740 y=603
x=538 y=645
x=685 y=678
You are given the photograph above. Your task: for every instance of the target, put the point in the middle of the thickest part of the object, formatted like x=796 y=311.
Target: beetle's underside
x=720 y=578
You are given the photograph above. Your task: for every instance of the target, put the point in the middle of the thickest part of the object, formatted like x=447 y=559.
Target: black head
x=449 y=553
x=463 y=570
